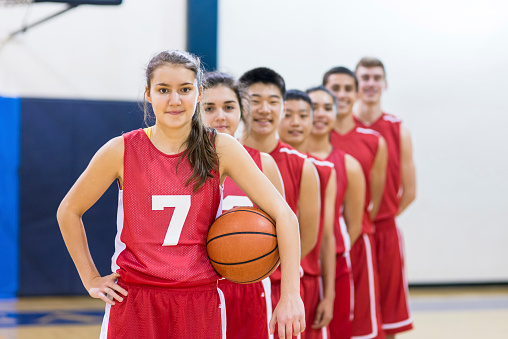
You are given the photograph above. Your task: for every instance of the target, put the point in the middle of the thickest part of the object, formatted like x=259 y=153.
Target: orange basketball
x=242 y=245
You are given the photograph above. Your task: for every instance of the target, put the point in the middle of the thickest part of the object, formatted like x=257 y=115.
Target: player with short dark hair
x=369 y=148
x=301 y=185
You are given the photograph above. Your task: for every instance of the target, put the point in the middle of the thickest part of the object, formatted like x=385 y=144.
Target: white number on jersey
x=235 y=201
x=181 y=203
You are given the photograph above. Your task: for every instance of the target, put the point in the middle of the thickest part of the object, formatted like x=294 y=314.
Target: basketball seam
x=261 y=277
x=245 y=262
x=244 y=210
x=233 y=233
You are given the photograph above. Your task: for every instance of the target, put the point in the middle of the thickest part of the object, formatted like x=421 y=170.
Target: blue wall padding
x=9 y=195
x=59 y=138
x=202 y=30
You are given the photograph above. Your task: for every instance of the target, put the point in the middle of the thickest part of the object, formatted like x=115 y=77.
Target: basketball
x=242 y=245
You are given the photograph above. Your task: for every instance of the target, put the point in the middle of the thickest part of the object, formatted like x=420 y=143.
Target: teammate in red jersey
x=349 y=206
x=169 y=195
x=399 y=193
x=248 y=306
x=369 y=148
x=294 y=129
x=267 y=89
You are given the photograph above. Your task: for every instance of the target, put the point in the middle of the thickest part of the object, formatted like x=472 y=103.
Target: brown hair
x=370 y=62
x=215 y=79
x=200 y=145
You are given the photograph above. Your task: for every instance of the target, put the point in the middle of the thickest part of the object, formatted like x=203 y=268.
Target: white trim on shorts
x=351 y=287
x=105 y=323
x=222 y=307
x=409 y=320
x=267 y=287
x=372 y=291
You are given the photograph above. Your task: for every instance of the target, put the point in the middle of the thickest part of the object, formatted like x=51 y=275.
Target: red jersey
x=162 y=222
x=290 y=163
x=389 y=127
x=310 y=263
x=361 y=144
x=233 y=195
x=338 y=159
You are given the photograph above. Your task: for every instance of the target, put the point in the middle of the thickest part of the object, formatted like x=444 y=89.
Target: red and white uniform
x=362 y=144
x=311 y=280
x=341 y=326
x=248 y=306
x=290 y=163
x=160 y=247
x=396 y=316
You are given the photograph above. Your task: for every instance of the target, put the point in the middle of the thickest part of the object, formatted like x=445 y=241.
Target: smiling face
x=296 y=122
x=174 y=94
x=221 y=109
x=266 y=107
x=371 y=84
x=324 y=113
x=344 y=89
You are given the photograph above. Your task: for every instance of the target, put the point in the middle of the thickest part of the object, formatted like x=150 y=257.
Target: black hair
x=340 y=70
x=323 y=89
x=266 y=76
x=295 y=94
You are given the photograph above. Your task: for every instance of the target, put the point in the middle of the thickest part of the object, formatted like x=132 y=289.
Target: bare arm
x=354 y=200
x=271 y=171
x=324 y=310
x=378 y=177
x=104 y=168
x=236 y=163
x=308 y=207
x=407 y=170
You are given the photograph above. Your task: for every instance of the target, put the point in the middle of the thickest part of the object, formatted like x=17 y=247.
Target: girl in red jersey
x=163 y=285
x=349 y=206
x=248 y=306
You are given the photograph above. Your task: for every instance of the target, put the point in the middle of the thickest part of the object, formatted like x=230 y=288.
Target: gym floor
x=438 y=313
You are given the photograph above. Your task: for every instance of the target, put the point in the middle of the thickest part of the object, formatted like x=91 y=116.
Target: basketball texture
x=242 y=245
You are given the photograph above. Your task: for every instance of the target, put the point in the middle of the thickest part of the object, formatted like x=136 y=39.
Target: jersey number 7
x=182 y=204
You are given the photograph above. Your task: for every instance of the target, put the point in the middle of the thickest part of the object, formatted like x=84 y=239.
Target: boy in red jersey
x=169 y=176
x=369 y=148
x=349 y=205
x=294 y=129
x=267 y=89
x=225 y=104
x=399 y=193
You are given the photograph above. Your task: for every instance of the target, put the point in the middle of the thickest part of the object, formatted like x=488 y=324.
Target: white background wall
x=446 y=64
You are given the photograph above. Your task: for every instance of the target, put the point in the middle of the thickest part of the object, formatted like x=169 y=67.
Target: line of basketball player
x=346 y=175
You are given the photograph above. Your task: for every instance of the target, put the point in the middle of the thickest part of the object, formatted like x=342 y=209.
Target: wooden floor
x=438 y=313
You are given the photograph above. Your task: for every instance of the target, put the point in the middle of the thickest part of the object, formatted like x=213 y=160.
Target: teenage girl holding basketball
x=163 y=284
x=248 y=306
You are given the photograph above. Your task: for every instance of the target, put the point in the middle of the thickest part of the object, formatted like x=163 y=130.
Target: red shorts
x=341 y=326
x=367 y=318
x=313 y=292
x=247 y=309
x=394 y=297
x=161 y=312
